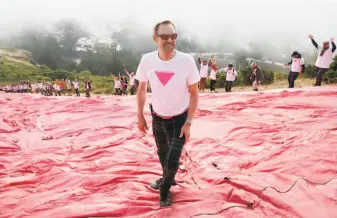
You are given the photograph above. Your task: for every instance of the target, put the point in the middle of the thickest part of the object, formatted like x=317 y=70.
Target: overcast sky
x=239 y=20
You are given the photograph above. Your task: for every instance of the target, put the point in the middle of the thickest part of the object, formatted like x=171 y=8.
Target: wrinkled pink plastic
x=77 y=157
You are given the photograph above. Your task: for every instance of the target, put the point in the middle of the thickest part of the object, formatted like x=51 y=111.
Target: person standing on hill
x=297 y=67
x=230 y=76
x=173 y=77
x=76 y=87
x=203 y=73
x=87 y=87
x=212 y=65
x=132 y=81
x=256 y=76
x=68 y=85
x=324 y=59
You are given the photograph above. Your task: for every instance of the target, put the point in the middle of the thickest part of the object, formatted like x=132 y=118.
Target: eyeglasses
x=167 y=36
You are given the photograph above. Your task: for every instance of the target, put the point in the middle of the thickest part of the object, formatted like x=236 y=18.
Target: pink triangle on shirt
x=164 y=76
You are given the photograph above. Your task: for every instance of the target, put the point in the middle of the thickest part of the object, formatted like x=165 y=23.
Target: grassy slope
x=15 y=66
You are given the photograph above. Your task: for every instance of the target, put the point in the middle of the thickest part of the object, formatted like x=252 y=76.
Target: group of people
x=297 y=67
x=57 y=88
x=324 y=58
x=231 y=74
x=121 y=83
x=176 y=81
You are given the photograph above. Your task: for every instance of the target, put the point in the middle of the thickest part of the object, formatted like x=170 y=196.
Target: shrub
x=309 y=71
x=279 y=76
x=268 y=77
x=330 y=77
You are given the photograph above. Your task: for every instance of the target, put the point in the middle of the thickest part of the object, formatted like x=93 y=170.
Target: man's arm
x=193 y=79
x=223 y=70
x=141 y=97
x=141 y=76
x=127 y=72
x=333 y=45
x=313 y=41
x=235 y=72
x=194 y=98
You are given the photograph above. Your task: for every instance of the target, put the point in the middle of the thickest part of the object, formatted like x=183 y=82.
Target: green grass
x=14 y=70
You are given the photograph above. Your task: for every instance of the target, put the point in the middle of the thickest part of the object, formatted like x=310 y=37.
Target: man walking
x=174 y=78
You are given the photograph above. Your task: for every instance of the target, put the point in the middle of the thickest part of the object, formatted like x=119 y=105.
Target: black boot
x=155 y=185
x=165 y=199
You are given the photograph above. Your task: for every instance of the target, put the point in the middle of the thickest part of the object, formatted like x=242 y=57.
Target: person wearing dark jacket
x=256 y=76
x=87 y=87
x=324 y=58
x=297 y=67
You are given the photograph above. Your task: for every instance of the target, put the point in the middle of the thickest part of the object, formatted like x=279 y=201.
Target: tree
x=68 y=32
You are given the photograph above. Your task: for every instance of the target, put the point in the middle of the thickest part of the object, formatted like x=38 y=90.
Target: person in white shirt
x=297 y=67
x=117 y=85
x=173 y=77
x=76 y=87
x=132 y=81
x=203 y=73
x=212 y=65
x=57 y=88
x=324 y=58
x=230 y=76
x=68 y=82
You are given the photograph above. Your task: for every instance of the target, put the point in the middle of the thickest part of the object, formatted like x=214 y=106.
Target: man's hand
x=142 y=125
x=286 y=65
x=311 y=36
x=332 y=38
x=185 y=131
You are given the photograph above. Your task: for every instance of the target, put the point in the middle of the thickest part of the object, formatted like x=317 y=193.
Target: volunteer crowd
x=208 y=70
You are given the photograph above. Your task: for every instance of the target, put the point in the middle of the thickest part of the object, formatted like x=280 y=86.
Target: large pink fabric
x=271 y=154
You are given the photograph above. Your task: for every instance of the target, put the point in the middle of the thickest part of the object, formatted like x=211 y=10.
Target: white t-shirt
x=231 y=74
x=169 y=81
x=75 y=85
x=203 y=70
x=118 y=84
x=132 y=80
x=68 y=84
x=325 y=60
x=296 y=65
x=57 y=87
x=213 y=75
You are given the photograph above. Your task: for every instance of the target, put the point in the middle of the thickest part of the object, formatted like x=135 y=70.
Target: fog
x=278 y=23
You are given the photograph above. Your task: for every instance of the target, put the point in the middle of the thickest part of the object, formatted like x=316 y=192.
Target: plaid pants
x=169 y=146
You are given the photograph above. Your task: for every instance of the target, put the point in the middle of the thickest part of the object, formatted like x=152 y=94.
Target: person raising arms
x=324 y=58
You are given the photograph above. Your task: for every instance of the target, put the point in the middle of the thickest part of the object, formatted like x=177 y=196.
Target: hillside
x=17 y=65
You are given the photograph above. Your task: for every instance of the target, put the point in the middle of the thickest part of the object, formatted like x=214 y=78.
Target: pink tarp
x=271 y=154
